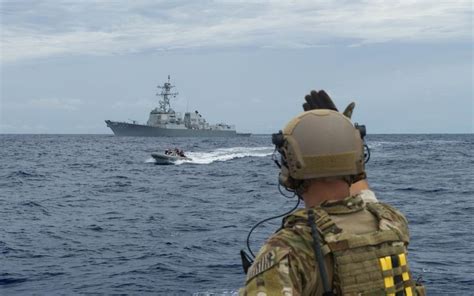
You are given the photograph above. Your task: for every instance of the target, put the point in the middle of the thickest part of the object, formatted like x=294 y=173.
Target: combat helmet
x=319 y=144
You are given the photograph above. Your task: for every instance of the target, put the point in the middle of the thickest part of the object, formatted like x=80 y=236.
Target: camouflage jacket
x=286 y=264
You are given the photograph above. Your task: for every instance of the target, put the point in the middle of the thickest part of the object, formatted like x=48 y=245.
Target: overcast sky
x=66 y=66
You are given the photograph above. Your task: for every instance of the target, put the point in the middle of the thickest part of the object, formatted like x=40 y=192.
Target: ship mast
x=166 y=93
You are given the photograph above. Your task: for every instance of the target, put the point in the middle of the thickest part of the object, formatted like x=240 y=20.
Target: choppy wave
x=93 y=218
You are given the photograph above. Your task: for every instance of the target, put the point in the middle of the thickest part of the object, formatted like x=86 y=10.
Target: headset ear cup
x=285 y=179
x=283 y=176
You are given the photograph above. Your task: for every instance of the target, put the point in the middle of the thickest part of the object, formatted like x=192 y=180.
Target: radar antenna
x=166 y=93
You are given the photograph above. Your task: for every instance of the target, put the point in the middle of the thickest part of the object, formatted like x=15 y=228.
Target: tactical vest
x=373 y=263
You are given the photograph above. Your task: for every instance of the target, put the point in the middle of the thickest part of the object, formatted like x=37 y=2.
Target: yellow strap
x=383 y=264
x=403 y=259
x=403 y=262
x=386 y=263
x=388 y=260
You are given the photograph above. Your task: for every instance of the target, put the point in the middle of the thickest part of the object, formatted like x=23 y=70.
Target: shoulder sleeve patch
x=266 y=261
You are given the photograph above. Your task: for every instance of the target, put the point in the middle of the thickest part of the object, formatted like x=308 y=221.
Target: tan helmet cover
x=319 y=144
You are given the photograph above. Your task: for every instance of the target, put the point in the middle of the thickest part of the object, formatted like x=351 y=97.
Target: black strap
x=246 y=261
x=319 y=254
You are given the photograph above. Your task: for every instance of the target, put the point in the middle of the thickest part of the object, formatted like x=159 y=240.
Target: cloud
x=49 y=28
x=131 y=104
x=22 y=128
x=54 y=104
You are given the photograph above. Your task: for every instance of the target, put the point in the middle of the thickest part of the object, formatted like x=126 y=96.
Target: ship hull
x=126 y=129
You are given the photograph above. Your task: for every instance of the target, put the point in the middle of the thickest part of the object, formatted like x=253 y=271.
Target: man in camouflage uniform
x=360 y=242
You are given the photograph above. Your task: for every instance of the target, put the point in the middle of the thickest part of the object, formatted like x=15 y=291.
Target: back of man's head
x=319 y=144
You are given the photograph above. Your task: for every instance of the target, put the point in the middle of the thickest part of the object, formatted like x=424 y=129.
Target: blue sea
x=93 y=214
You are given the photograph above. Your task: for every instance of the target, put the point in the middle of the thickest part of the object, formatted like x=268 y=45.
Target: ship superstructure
x=165 y=122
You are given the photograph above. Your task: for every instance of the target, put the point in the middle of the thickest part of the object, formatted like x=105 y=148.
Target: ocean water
x=92 y=214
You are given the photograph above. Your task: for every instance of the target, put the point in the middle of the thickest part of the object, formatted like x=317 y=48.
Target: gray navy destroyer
x=165 y=122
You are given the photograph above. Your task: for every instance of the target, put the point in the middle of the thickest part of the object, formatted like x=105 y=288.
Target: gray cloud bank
x=36 y=29
x=68 y=65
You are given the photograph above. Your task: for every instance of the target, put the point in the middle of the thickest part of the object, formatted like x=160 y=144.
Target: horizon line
x=252 y=134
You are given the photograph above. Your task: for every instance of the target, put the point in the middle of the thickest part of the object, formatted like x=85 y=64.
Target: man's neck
x=359 y=186
x=321 y=191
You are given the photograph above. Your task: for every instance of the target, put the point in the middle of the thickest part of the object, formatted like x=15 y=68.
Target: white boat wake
x=224 y=154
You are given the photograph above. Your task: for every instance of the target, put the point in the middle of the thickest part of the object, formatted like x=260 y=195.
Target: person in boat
x=175 y=152
x=344 y=242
